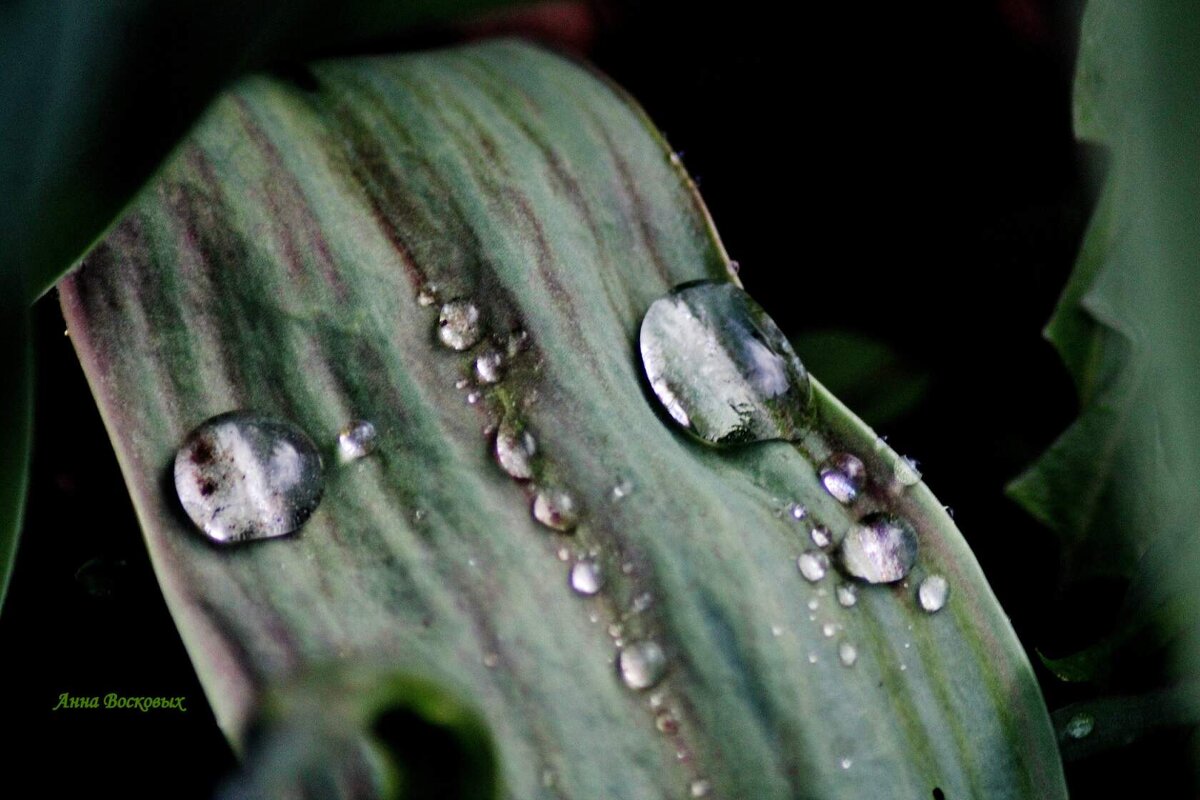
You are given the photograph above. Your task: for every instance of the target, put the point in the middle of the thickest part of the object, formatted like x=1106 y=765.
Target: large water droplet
x=642 y=664
x=356 y=440
x=515 y=448
x=932 y=593
x=556 y=509
x=813 y=565
x=843 y=476
x=721 y=366
x=586 y=578
x=458 y=325
x=242 y=476
x=1081 y=725
x=881 y=549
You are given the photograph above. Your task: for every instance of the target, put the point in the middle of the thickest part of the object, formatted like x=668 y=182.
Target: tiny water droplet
x=642 y=664
x=419 y=515
x=1081 y=725
x=241 y=476
x=881 y=549
x=932 y=593
x=518 y=340
x=847 y=763
x=797 y=511
x=812 y=658
x=490 y=660
x=829 y=629
x=813 y=604
x=473 y=398
x=735 y=267
x=776 y=630
x=515 y=448
x=427 y=295
x=701 y=788
x=666 y=722
x=356 y=440
x=847 y=654
x=813 y=565
x=906 y=472
x=642 y=602
x=903 y=667
x=586 y=578
x=556 y=509
x=722 y=368
x=820 y=536
x=622 y=489
x=489 y=366
x=843 y=476
x=458 y=325
x=563 y=554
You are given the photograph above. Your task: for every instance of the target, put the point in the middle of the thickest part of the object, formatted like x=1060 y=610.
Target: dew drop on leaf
x=556 y=509
x=843 y=476
x=489 y=366
x=812 y=565
x=586 y=578
x=458 y=325
x=642 y=664
x=722 y=368
x=514 y=449
x=242 y=476
x=847 y=595
x=820 y=536
x=847 y=654
x=356 y=440
x=881 y=548
x=932 y=593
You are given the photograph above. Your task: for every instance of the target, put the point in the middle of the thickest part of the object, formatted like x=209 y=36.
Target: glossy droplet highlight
x=1080 y=725
x=813 y=565
x=242 y=476
x=820 y=536
x=642 y=664
x=556 y=509
x=458 y=325
x=586 y=578
x=722 y=368
x=847 y=654
x=932 y=593
x=515 y=448
x=843 y=476
x=797 y=511
x=882 y=548
x=489 y=366
x=356 y=441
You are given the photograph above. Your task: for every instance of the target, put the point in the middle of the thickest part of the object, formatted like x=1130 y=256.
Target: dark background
x=905 y=174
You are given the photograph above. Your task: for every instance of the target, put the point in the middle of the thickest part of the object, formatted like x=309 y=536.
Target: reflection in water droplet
x=556 y=509
x=813 y=564
x=242 y=476
x=458 y=325
x=880 y=549
x=642 y=664
x=356 y=440
x=932 y=593
x=820 y=536
x=586 y=578
x=1080 y=725
x=489 y=366
x=515 y=448
x=843 y=476
x=722 y=368
x=847 y=595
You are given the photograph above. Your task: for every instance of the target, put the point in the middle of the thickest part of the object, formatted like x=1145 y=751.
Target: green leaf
x=16 y=406
x=275 y=265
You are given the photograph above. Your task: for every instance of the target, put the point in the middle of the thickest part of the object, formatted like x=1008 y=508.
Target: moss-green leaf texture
x=275 y=265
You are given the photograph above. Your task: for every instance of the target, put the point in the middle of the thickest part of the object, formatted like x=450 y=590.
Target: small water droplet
x=490 y=660
x=563 y=554
x=356 y=440
x=515 y=448
x=666 y=722
x=473 y=398
x=518 y=340
x=829 y=629
x=735 y=267
x=701 y=788
x=586 y=578
x=797 y=511
x=812 y=658
x=622 y=489
x=427 y=295
x=843 y=476
x=642 y=664
x=932 y=593
x=627 y=568
x=880 y=549
x=642 y=602
x=556 y=509
x=906 y=472
x=820 y=536
x=242 y=476
x=458 y=325
x=776 y=630
x=489 y=366
x=722 y=368
x=813 y=565
x=847 y=763
x=903 y=667
x=615 y=629
x=1081 y=725
x=847 y=654
x=419 y=515
x=813 y=604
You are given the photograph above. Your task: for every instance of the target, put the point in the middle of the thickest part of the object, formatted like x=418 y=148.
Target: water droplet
x=843 y=476
x=419 y=515
x=776 y=630
x=722 y=368
x=490 y=660
x=812 y=658
x=489 y=366
x=458 y=325
x=701 y=788
x=586 y=578
x=932 y=593
x=515 y=448
x=847 y=595
x=642 y=664
x=814 y=604
x=356 y=440
x=427 y=295
x=473 y=398
x=556 y=509
x=622 y=489
x=906 y=472
x=813 y=564
x=797 y=511
x=642 y=602
x=666 y=722
x=847 y=654
x=820 y=536
x=829 y=629
x=518 y=340
x=847 y=763
x=880 y=549
x=242 y=476
x=1080 y=725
